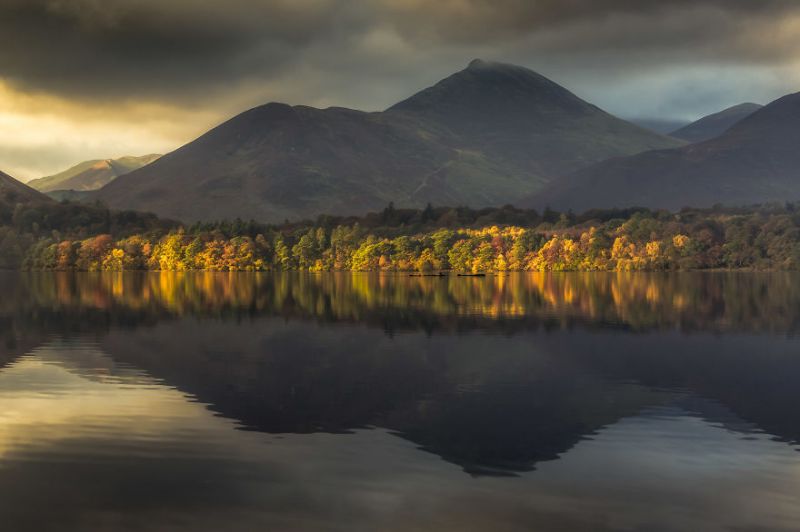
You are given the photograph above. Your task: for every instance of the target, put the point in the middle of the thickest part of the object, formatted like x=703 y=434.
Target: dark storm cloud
x=129 y=47
x=182 y=49
x=469 y=20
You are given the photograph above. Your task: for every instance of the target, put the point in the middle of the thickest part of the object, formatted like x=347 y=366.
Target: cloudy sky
x=83 y=79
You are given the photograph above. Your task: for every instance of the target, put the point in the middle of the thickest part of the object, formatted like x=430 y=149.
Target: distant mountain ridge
x=755 y=161
x=663 y=126
x=716 y=124
x=91 y=175
x=486 y=135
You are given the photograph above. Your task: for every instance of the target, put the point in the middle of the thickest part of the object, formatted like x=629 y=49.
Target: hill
x=664 y=126
x=481 y=137
x=533 y=125
x=74 y=196
x=13 y=192
x=755 y=161
x=713 y=126
x=91 y=175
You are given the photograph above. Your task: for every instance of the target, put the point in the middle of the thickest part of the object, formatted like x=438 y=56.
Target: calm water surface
x=383 y=402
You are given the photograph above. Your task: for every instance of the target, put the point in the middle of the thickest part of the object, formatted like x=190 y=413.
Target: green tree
x=283 y=257
x=460 y=256
x=305 y=251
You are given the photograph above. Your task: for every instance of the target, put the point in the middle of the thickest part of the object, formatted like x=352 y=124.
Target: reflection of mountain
x=491 y=403
x=275 y=378
x=119 y=455
x=14 y=343
x=755 y=377
x=487 y=413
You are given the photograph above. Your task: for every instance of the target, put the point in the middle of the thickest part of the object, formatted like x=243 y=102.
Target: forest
x=71 y=237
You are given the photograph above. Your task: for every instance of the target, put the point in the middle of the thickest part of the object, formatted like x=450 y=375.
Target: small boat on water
x=471 y=275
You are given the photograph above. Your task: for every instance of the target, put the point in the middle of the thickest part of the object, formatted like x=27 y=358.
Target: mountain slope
x=512 y=114
x=481 y=137
x=712 y=126
x=663 y=126
x=91 y=175
x=276 y=161
x=755 y=161
x=13 y=191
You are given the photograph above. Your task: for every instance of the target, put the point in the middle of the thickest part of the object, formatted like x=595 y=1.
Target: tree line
x=91 y=238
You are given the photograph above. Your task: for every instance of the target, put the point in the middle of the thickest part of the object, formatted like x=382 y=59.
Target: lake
x=576 y=401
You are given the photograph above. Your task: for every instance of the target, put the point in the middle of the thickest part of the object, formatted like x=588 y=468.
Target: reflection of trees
x=704 y=301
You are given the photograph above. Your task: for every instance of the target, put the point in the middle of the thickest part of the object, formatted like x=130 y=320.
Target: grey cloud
x=200 y=61
x=488 y=19
x=184 y=49
x=367 y=54
x=149 y=48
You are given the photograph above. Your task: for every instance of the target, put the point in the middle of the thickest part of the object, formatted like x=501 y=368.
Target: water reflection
x=386 y=402
x=714 y=301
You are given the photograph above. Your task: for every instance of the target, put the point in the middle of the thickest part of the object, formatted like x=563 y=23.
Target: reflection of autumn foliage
x=722 y=301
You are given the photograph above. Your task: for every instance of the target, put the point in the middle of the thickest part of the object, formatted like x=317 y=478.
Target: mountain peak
x=91 y=175
x=774 y=124
x=479 y=64
x=746 y=105
x=716 y=124
x=491 y=91
x=483 y=64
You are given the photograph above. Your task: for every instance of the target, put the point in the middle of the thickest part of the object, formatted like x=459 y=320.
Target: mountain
x=755 y=161
x=713 y=126
x=91 y=175
x=276 y=161
x=72 y=196
x=13 y=192
x=484 y=136
x=533 y=125
x=660 y=125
